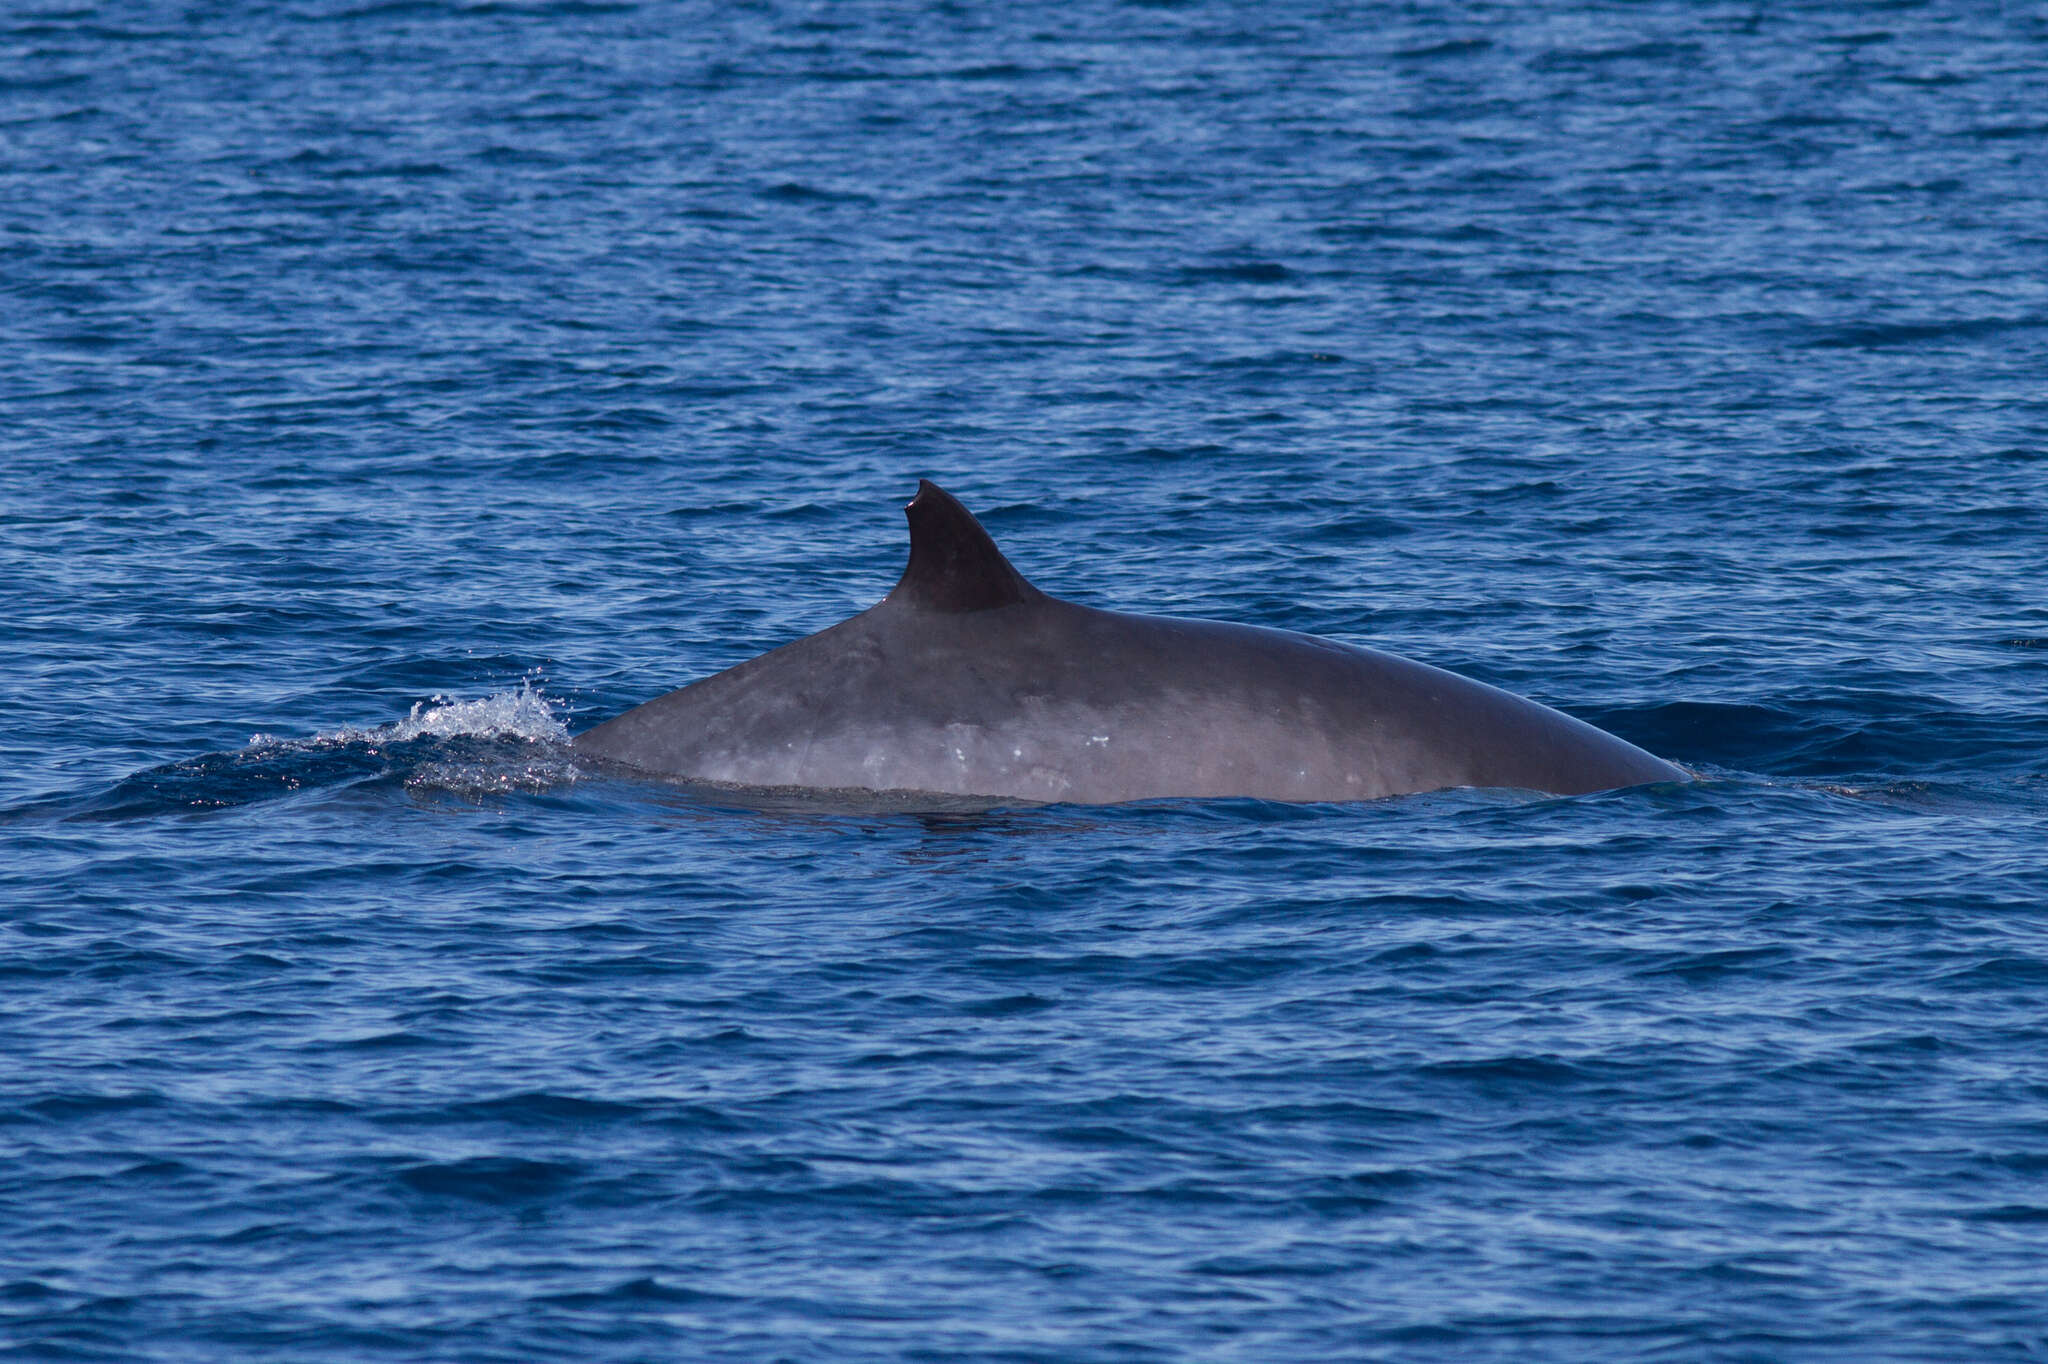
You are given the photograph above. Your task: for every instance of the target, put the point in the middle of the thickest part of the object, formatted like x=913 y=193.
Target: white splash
x=523 y=714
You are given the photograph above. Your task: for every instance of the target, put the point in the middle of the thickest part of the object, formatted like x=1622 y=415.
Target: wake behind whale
x=967 y=681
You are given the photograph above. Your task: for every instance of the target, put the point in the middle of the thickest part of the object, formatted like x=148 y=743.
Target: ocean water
x=389 y=390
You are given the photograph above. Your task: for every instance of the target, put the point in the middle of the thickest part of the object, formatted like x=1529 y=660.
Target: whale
x=966 y=682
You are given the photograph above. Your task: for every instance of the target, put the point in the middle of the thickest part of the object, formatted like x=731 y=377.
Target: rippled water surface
x=389 y=390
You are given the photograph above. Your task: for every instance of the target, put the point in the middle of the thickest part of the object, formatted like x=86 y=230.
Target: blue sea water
x=388 y=390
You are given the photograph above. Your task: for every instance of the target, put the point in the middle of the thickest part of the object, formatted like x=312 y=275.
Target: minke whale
x=967 y=681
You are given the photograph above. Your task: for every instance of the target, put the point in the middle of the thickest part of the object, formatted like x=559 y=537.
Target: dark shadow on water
x=270 y=770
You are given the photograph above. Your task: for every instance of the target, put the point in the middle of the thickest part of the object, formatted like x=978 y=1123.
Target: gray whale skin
x=967 y=681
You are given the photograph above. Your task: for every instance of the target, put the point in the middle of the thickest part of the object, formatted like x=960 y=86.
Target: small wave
x=1881 y=335
x=1239 y=272
x=1456 y=47
x=491 y=1179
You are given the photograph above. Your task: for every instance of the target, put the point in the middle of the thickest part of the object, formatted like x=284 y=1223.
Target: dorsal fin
x=954 y=565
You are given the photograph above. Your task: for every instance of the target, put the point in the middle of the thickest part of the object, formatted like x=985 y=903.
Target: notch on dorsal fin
x=954 y=565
